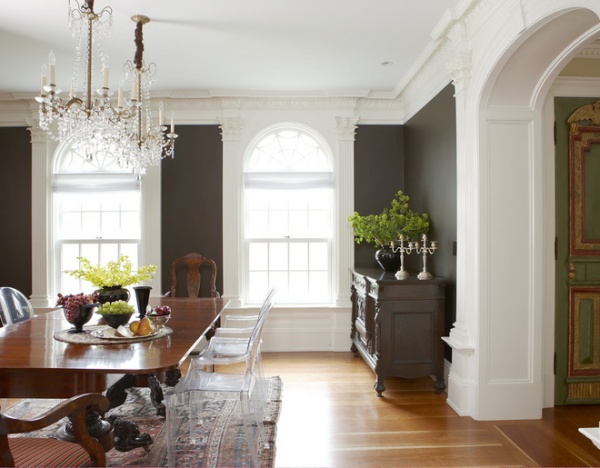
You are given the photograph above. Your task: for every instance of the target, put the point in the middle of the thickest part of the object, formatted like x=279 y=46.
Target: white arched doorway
x=501 y=363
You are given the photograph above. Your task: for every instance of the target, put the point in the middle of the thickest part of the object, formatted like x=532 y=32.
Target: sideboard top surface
x=386 y=278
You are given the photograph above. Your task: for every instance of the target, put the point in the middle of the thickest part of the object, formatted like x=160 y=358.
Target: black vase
x=142 y=297
x=79 y=316
x=387 y=259
x=113 y=294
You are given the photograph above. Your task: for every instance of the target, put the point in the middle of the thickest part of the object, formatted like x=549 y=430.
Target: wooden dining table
x=33 y=364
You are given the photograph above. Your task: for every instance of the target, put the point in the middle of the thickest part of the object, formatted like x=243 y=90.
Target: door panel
x=578 y=251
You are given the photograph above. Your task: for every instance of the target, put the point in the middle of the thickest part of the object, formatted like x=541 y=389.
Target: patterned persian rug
x=221 y=442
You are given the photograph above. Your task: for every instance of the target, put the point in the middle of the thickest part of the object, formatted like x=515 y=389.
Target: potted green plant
x=384 y=228
x=112 y=278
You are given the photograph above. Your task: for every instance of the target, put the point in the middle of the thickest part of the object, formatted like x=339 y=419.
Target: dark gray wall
x=15 y=210
x=192 y=200
x=430 y=176
x=378 y=175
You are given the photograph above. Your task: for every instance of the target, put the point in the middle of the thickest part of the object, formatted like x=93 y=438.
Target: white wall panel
x=509 y=328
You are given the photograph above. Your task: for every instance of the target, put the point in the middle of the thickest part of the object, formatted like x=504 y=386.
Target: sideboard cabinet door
x=397 y=325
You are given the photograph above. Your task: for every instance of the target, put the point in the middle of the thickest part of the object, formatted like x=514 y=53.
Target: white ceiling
x=339 y=47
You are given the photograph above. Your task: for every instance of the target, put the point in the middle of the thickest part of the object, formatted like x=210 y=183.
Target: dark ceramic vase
x=142 y=297
x=79 y=316
x=387 y=259
x=113 y=294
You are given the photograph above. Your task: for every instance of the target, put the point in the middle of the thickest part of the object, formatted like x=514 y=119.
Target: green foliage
x=398 y=219
x=116 y=273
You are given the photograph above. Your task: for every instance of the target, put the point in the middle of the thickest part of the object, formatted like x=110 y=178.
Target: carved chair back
x=191 y=268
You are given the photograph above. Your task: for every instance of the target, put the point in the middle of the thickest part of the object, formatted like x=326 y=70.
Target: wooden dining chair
x=190 y=269
x=49 y=452
x=14 y=306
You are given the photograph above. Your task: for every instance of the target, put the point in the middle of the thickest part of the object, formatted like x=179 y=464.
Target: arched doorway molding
x=505 y=290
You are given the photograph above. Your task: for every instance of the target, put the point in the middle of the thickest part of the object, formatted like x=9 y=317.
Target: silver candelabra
x=401 y=274
x=423 y=249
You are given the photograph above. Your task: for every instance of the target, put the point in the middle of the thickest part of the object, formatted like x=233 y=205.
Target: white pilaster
x=40 y=217
x=346 y=131
x=231 y=131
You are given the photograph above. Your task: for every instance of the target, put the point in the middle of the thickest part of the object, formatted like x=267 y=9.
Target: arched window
x=96 y=214
x=288 y=203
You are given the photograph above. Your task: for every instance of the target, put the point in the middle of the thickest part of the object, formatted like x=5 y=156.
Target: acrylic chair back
x=255 y=338
x=14 y=306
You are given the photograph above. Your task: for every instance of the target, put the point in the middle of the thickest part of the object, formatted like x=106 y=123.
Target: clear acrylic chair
x=14 y=306
x=185 y=402
x=229 y=345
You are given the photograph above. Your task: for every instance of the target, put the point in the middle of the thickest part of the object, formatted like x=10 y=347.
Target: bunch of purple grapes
x=72 y=303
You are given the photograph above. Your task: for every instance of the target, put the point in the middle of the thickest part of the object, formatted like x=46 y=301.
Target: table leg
x=98 y=428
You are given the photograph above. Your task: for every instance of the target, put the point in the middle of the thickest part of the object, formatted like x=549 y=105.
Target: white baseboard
x=290 y=329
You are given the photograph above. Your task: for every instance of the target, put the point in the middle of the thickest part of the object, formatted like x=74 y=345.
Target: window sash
x=298 y=268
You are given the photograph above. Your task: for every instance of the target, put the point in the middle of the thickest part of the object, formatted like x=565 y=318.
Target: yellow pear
x=133 y=326
x=145 y=327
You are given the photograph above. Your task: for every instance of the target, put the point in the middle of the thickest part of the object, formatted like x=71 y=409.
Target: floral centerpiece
x=115 y=273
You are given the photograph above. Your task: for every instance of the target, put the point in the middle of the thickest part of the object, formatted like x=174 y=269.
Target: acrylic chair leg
x=249 y=429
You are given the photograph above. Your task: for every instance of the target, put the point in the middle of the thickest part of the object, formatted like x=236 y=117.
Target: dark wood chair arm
x=76 y=409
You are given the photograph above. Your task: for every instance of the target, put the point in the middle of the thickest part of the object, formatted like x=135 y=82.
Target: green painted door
x=577 y=340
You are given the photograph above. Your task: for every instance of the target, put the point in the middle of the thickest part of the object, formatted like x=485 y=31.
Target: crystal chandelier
x=142 y=142
x=85 y=118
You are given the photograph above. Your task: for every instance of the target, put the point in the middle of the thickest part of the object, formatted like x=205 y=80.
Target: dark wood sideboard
x=397 y=325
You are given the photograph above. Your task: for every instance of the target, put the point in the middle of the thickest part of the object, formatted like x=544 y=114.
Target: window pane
x=279 y=281
x=299 y=256
x=299 y=291
x=258 y=287
x=258 y=256
x=318 y=256
x=278 y=256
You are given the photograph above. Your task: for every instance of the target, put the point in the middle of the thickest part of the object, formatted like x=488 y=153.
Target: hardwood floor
x=331 y=417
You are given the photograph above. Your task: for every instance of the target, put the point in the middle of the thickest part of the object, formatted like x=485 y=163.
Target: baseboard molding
x=296 y=329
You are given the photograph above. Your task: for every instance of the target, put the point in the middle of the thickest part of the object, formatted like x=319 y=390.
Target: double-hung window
x=96 y=209
x=288 y=204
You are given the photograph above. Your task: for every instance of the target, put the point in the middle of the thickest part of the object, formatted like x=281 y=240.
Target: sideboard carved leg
x=440 y=385
x=379 y=386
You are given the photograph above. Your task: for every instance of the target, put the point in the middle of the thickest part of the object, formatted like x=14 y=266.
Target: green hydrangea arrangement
x=115 y=273
x=381 y=229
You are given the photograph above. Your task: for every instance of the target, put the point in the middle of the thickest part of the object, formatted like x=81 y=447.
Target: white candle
x=52 y=64
x=134 y=91
x=120 y=97
x=105 y=77
x=172 y=124
x=44 y=80
x=161 y=107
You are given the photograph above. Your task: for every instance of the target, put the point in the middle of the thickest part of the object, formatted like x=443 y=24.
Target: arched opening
x=513 y=179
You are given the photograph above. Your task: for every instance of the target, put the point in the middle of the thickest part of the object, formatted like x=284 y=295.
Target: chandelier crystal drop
x=142 y=142
x=84 y=117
